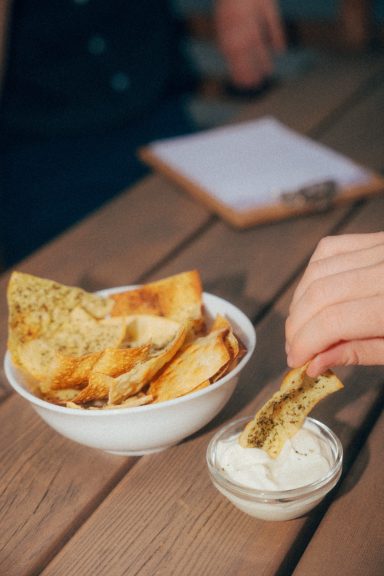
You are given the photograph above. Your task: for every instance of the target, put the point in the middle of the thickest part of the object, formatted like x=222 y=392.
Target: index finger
x=337 y=254
x=344 y=243
x=341 y=322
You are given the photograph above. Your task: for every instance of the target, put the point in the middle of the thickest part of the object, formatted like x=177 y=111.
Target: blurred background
x=83 y=89
x=311 y=26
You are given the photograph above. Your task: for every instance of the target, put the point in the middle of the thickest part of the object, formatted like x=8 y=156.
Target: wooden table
x=68 y=510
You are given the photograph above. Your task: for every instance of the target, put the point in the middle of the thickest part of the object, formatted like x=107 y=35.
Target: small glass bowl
x=275 y=504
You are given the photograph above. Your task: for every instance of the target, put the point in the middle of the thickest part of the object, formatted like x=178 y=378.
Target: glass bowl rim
x=276 y=495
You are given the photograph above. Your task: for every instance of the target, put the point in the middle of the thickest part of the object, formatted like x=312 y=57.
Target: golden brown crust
x=177 y=297
x=284 y=413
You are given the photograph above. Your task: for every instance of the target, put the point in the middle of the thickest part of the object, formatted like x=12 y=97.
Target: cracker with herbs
x=285 y=412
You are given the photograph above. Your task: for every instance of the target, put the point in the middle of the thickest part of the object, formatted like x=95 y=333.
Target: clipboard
x=260 y=171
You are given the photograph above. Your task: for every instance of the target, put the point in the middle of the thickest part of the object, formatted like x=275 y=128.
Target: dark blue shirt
x=87 y=66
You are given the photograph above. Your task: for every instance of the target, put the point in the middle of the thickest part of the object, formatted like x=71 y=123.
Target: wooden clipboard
x=309 y=198
x=270 y=212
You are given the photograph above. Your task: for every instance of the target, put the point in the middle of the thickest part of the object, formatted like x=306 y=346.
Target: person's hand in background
x=336 y=316
x=249 y=34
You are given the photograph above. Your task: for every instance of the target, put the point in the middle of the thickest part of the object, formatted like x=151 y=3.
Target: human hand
x=249 y=33
x=336 y=316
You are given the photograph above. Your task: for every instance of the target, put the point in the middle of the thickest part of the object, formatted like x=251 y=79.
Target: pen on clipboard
x=319 y=196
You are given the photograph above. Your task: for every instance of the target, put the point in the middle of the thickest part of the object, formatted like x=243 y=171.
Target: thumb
x=368 y=352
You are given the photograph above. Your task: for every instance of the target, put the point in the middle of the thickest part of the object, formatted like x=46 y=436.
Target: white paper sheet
x=252 y=163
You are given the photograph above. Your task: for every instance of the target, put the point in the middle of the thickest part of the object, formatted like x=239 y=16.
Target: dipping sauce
x=304 y=459
x=286 y=487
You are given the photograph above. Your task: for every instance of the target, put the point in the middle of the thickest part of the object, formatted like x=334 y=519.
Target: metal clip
x=318 y=197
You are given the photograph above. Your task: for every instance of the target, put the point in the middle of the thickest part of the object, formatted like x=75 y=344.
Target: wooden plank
x=359 y=132
x=245 y=253
x=262 y=286
x=349 y=540
x=48 y=486
x=303 y=103
x=369 y=218
x=176 y=522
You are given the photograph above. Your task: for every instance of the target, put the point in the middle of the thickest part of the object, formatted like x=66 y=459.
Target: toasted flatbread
x=72 y=371
x=60 y=397
x=234 y=345
x=57 y=317
x=132 y=382
x=139 y=399
x=148 y=328
x=177 y=297
x=193 y=366
x=38 y=307
x=151 y=343
x=45 y=358
x=96 y=389
x=284 y=414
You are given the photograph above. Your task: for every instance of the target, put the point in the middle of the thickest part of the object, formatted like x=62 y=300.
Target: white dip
x=304 y=459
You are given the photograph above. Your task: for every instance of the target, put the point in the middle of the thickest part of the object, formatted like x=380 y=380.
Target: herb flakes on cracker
x=135 y=347
x=284 y=413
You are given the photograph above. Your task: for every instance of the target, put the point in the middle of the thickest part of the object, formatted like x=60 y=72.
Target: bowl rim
x=39 y=402
x=273 y=496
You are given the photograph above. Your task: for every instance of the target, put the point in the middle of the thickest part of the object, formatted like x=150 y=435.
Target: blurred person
x=250 y=34
x=336 y=317
x=85 y=83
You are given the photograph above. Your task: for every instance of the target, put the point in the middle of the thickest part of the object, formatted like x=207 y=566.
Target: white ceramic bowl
x=145 y=429
x=275 y=504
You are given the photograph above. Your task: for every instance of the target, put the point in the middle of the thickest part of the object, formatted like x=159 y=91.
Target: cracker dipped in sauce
x=285 y=412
